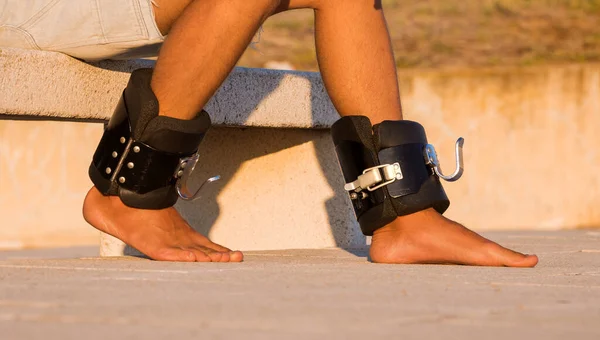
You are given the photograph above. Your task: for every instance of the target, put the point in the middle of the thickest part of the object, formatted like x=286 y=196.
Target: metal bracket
x=432 y=160
x=375 y=178
x=183 y=174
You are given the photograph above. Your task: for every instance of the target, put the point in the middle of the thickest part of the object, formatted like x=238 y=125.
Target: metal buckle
x=432 y=160
x=183 y=174
x=375 y=178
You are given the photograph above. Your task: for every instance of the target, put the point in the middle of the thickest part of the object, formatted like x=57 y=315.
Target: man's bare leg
x=358 y=68
x=206 y=38
x=203 y=46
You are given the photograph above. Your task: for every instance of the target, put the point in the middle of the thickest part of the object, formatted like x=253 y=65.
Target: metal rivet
x=136 y=149
x=115 y=154
x=122 y=140
x=183 y=164
x=121 y=180
x=130 y=165
x=180 y=173
x=353 y=196
x=108 y=170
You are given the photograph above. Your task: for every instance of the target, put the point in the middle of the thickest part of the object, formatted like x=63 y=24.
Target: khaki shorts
x=85 y=29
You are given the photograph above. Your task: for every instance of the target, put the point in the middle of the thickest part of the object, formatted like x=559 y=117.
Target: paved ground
x=302 y=294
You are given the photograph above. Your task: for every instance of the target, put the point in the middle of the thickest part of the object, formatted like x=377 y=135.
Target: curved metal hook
x=433 y=160
x=186 y=195
x=185 y=169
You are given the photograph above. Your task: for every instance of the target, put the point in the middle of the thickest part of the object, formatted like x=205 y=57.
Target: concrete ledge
x=47 y=84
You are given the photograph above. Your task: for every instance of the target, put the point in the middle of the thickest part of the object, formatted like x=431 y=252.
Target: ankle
x=395 y=226
x=393 y=230
x=402 y=222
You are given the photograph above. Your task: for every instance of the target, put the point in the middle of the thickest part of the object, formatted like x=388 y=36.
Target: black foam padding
x=353 y=140
x=354 y=146
x=430 y=195
x=353 y=128
x=378 y=216
x=156 y=199
x=142 y=104
x=398 y=132
x=161 y=132
x=175 y=135
x=354 y=157
x=160 y=143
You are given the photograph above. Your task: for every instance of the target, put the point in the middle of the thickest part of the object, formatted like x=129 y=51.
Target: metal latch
x=376 y=177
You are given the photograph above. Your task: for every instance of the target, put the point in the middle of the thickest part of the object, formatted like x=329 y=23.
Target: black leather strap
x=414 y=170
x=110 y=150
x=360 y=146
x=139 y=155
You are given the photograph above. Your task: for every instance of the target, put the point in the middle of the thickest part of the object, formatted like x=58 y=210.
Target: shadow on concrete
x=358 y=252
x=48 y=118
x=202 y=214
x=347 y=234
x=123 y=66
x=220 y=141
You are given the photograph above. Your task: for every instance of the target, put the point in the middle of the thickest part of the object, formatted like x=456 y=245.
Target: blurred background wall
x=442 y=34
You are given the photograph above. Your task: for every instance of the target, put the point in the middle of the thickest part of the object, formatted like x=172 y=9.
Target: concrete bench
x=281 y=188
x=530 y=161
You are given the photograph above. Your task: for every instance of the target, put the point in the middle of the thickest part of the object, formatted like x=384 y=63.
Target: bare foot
x=160 y=234
x=428 y=237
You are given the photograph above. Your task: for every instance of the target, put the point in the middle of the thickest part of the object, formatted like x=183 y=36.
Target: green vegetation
x=455 y=33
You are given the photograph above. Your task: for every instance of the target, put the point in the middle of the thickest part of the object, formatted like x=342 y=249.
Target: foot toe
x=200 y=255
x=225 y=257
x=236 y=256
x=218 y=247
x=202 y=241
x=510 y=258
x=214 y=256
x=527 y=261
x=174 y=255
